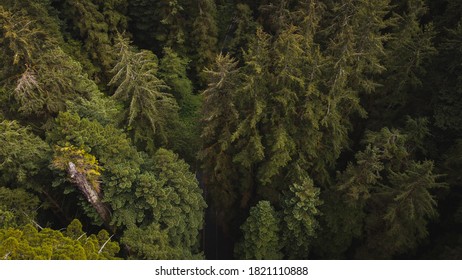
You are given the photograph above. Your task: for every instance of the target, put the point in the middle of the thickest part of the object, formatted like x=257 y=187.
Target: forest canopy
x=221 y=129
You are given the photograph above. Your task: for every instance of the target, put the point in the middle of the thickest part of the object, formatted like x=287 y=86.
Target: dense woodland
x=247 y=129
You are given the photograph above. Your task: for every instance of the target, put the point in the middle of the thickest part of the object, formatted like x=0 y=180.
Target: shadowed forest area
x=230 y=129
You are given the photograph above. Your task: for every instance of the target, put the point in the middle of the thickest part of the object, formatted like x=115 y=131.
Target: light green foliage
x=301 y=206
x=84 y=162
x=20 y=38
x=303 y=107
x=27 y=243
x=261 y=231
x=185 y=137
x=173 y=71
x=98 y=107
x=141 y=191
x=55 y=78
x=168 y=195
x=149 y=108
x=112 y=149
x=17 y=207
x=42 y=78
x=22 y=155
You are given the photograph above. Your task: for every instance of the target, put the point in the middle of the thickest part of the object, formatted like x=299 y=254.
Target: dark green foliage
x=151 y=243
x=149 y=109
x=96 y=23
x=55 y=79
x=204 y=33
x=410 y=46
x=17 y=207
x=185 y=137
x=240 y=31
x=141 y=190
x=394 y=190
x=173 y=71
x=448 y=102
x=161 y=23
x=23 y=155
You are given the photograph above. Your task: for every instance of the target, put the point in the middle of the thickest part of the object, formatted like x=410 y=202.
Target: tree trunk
x=92 y=196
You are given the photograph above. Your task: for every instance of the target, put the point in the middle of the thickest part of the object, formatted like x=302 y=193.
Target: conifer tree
x=185 y=138
x=161 y=24
x=261 y=234
x=301 y=205
x=140 y=190
x=240 y=29
x=96 y=23
x=394 y=191
x=220 y=118
x=23 y=155
x=410 y=46
x=149 y=108
x=204 y=34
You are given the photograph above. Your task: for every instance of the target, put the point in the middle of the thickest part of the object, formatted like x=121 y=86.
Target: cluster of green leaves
x=28 y=243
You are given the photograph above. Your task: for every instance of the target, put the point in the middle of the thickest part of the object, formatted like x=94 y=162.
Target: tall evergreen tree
x=204 y=34
x=219 y=122
x=96 y=23
x=149 y=108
